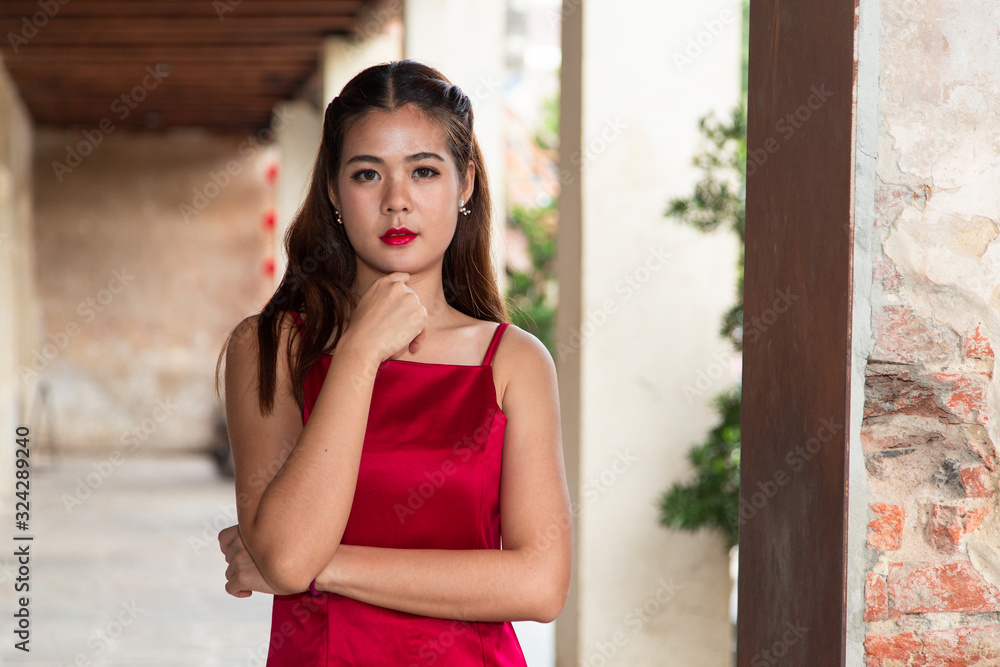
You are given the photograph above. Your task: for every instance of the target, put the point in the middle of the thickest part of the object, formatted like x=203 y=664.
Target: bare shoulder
x=523 y=356
x=242 y=350
x=245 y=333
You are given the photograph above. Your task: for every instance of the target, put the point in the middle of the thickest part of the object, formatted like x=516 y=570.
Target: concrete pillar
x=640 y=303
x=19 y=315
x=465 y=42
x=377 y=38
x=298 y=131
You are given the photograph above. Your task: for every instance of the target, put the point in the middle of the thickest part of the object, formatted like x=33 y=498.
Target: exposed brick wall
x=149 y=251
x=929 y=433
x=932 y=467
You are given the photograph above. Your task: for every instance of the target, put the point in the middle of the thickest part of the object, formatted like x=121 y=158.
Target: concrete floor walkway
x=126 y=570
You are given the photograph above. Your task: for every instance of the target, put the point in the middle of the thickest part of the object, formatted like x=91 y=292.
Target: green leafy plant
x=531 y=291
x=711 y=499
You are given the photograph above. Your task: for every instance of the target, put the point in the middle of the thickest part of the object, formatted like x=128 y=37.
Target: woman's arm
x=284 y=471
x=529 y=578
x=467 y=585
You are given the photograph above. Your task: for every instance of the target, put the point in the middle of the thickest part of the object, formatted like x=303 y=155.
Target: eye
x=431 y=172
x=364 y=171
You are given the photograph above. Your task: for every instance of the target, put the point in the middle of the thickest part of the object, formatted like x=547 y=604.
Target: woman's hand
x=388 y=318
x=242 y=576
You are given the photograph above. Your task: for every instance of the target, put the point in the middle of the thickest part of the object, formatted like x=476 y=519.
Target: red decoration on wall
x=272 y=172
x=267 y=267
x=270 y=218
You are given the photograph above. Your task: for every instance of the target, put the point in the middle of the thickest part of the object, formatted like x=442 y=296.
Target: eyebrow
x=424 y=155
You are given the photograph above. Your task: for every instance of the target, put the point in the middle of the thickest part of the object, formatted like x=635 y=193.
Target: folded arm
x=285 y=471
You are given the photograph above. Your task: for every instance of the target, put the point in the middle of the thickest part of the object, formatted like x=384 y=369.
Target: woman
x=370 y=431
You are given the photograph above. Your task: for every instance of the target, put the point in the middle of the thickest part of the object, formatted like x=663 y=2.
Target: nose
x=396 y=198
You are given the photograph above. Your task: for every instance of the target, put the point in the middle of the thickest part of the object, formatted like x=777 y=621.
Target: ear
x=470 y=182
x=333 y=196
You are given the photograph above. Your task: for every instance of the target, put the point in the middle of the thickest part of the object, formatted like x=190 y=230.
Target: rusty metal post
x=796 y=362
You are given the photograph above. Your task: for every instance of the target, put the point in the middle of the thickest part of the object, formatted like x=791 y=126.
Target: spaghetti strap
x=497 y=333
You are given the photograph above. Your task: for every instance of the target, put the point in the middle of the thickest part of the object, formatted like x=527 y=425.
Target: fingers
x=237 y=558
x=236 y=592
x=396 y=276
x=227 y=536
x=231 y=542
x=233 y=581
x=415 y=343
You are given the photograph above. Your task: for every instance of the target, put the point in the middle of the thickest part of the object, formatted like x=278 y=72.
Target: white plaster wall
x=647 y=595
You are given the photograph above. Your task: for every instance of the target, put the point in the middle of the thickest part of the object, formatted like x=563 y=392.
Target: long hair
x=321 y=261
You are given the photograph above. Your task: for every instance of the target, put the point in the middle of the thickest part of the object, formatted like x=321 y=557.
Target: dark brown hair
x=321 y=261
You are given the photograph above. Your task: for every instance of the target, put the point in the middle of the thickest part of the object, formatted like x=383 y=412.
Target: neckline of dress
x=429 y=363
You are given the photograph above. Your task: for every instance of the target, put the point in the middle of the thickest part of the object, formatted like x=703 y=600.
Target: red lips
x=398 y=236
x=396 y=230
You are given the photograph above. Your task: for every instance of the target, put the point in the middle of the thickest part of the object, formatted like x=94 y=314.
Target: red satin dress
x=429 y=478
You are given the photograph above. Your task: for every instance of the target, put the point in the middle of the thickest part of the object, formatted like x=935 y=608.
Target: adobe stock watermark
x=220 y=180
x=558 y=16
x=302 y=609
x=47 y=10
x=787 y=127
x=761 y=322
x=223 y=7
x=636 y=618
x=593 y=148
x=228 y=513
x=712 y=29
x=721 y=364
x=627 y=286
x=211 y=527
x=463 y=450
x=121 y=107
x=130 y=440
x=435 y=649
x=103 y=639
x=796 y=459
x=371 y=25
x=88 y=310
x=592 y=489
x=774 y=654
x=599 y=143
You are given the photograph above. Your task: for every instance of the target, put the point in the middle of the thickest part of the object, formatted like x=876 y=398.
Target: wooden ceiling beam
x=199 y=89
x=102 y=105
x=42 y=55
x=179 y=26
x=226 y=69
x=177 y=9
x=189 y=116
x=132 y=73
x=181 y=39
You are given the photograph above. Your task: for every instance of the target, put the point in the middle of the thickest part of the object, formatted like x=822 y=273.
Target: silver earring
x=462 y=209
x=336 y=215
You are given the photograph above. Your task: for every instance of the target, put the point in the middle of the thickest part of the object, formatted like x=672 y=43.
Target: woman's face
x=396 y=171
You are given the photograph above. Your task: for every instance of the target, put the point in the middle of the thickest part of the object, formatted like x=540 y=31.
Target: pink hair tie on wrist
x=312 y=588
